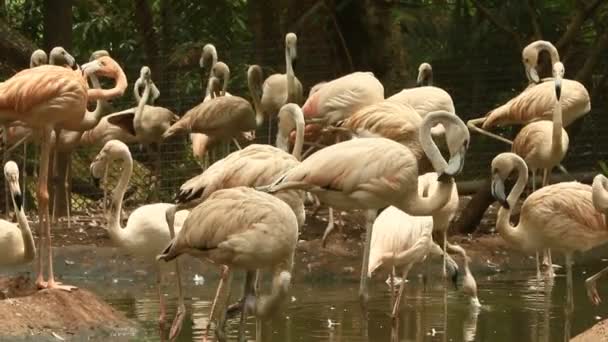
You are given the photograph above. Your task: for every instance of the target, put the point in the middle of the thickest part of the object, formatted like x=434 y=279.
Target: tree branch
x=593 y=57
x=494 y=20
x=584 y=11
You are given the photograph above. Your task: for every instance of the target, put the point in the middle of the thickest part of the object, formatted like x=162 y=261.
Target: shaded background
x=473 y=45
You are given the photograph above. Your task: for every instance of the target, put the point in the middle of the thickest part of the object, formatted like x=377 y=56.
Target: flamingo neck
x=599 y=193
x=513 y=234
x=115 y=230
x=427 y=205
x=291 y=84
x=254 y=89
x=291 y=116
x=556 y=136
x=268 y=304
x=29 y=248
x=426 y=141
x=107 y=94
x=91 y=119
x=139 y=111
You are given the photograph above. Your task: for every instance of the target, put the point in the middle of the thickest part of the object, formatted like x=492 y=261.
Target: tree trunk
x=15 y=49
x=57 y=24
x=58 y=32
x=150 y=40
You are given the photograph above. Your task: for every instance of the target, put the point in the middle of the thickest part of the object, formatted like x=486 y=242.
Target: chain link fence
x=477 y=85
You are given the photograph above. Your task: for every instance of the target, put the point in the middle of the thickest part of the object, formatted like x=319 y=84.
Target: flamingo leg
x=472 y=124
x=43 y=202
x=161 y=303
x=24 y=174
x=392 y=284
x=219 y=330
x=329 y=228
x=41 y=192
x=236 y=143
x=248 y=302
x=537 y=259
x=270 y=130
x=400 y=294
x=547 y=261
x=363 y=285
x=66 y=184
x=445 y=252
x=591 y=287
x=178 y=321
x=105 y=189
x=569 y=300
x=224 y=274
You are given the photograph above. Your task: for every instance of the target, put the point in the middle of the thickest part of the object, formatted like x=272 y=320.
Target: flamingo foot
x=41 y=284
x=178 y=322
x=54 y=285
x=592 y=293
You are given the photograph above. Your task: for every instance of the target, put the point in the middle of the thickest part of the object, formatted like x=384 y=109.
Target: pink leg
x=43 y=202
x=224 y=274
x=161 y=304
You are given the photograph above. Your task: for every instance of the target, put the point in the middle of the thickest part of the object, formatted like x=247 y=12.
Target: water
x=327 y=308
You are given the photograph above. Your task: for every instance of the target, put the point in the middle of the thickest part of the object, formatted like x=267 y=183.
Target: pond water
x=327 y=308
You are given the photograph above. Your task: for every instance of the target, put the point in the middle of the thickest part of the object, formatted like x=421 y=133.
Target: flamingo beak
x=532 y=74
x=456 y=162
x=18 y=198
x=558 y=88
x=498 y=191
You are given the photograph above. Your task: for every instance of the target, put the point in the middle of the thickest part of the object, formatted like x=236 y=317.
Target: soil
x=56 y=314
x=598 y=332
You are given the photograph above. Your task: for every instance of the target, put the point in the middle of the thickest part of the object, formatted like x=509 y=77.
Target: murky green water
x=328 y=310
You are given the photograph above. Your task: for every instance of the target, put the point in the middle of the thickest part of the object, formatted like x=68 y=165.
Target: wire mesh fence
x=475 y=86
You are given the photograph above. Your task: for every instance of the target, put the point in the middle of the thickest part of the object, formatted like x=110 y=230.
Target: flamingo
x=600 y=201
x=531 y=144
x=222 y=117
x=562 y=217
x=50 y=97
x=255 y=165
x=374 y=173
x=146 y=122
x=336 y=100
x=16 y=241
x=280 y=89
x=536 y=102
x=146 y=232
x=399 y=241
x=530 y=57
x=247 y=229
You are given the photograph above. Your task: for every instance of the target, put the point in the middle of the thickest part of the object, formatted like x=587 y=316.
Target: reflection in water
x=328 y=310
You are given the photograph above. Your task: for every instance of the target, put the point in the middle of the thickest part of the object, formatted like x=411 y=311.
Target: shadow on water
x=514 y=307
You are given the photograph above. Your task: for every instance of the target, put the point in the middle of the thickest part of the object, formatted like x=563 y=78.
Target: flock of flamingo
x=244 y=212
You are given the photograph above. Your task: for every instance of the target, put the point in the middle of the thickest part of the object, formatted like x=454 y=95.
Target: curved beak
x=96 y=181
x=498 y=191
x=201 y=62
x=420 y=79
x=532 y=74
x=456 y=162
x=558 y=87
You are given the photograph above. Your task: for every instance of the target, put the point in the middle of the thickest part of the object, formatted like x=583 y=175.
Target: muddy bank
x=53 y=315
x=598 y=332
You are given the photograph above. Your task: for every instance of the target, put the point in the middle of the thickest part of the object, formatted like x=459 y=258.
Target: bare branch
x=593 y=57
x=494 y=20
x=583 y=12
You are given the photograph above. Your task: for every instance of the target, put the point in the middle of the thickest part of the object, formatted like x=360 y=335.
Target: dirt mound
x=56 y=313
x=598 y=332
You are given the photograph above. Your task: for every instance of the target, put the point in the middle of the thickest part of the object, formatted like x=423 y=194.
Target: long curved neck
x=209 y=87
x=291 y=115
x=291 y=83
x=427 y=205
x=556 y=136
x=426 y=141
x=154 y=92
x=139 y=111
x=268 y=304
x=106 y=94
x=254 y=89
x=91 y=119
x=513 y=235
x=29 y=248
x=114 y=228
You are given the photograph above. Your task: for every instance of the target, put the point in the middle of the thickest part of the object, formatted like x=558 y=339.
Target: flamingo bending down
x=400 y=240
x=46 y=98
x=146 y=232
x=543 y=145
x=560 y=216
x=243 y=228
x=374 y=173
x=16 y=241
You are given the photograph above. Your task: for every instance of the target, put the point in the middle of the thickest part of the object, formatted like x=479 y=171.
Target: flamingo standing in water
x=374 y=173
x=48 y=98
x=560 y=216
